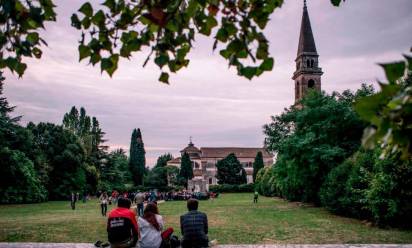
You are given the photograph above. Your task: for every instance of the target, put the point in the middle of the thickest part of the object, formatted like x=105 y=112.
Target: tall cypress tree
x=186 y=169
x=137 y=160
x=230 y=171
x=257 y=164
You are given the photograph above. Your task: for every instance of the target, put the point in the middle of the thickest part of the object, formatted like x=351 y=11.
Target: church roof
x=306 y=40
x=240 y=152
x=190 y=149
x=175 y=161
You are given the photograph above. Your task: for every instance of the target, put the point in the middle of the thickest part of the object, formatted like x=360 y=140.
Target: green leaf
x=249 y=72
x=86 y=9
x=99 y=18
x=33 y=38
x=171 y=25
x=192 y=8
x=164 y=77
x=336 y=2
x=211 y=22
x=20 y=68
x=76 y=22
x=105 y=64
x=109 y=64
x=222 y=35
x=230 y=28
x=84 y=51
x=394 y=71
x=37 y=52
x=111 y=4
x=267 y=64
x=225 y=53
x=235 y=46
x=161 y=60
x=95 y=58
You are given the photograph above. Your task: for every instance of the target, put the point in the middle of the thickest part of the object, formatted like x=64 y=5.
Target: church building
x=204 y=162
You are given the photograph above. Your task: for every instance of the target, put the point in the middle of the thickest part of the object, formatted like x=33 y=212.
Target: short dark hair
x=123 y=202
x=192 y=204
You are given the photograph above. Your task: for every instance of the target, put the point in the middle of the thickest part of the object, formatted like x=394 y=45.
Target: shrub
x=232 y=188
x=19 y=183
x=265 y=181
x=389 y=195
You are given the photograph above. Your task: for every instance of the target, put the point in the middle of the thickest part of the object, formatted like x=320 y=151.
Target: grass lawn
x=233 y=219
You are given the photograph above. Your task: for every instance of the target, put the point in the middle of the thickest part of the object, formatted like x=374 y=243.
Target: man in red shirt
x=122 y=228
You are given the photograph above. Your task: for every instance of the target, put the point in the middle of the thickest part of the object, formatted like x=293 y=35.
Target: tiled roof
x=240 y=152
x=175 y=161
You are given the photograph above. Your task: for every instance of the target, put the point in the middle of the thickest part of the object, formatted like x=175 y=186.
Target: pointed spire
x=306 y=40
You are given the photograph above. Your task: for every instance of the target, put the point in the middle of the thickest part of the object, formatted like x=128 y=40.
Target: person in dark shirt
x=194 y=226
x=122 y=228
x=73 y=201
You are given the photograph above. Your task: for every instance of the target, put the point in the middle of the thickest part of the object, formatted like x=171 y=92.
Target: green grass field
x=233 y=219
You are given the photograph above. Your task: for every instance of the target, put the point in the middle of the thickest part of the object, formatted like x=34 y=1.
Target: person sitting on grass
x=150 y=227
x=122 y=228
x=194 y=226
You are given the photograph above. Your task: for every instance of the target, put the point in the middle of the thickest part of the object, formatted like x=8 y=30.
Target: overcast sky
x=207 y=100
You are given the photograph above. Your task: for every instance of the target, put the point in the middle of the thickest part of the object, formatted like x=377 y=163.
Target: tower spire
x=306 y=40
x=308 y=73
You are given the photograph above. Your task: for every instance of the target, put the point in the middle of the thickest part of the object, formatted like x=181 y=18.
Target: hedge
x=232 y=188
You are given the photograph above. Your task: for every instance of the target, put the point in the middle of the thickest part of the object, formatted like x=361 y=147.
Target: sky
x=207 y=100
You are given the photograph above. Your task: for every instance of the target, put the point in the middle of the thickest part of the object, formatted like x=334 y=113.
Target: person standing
x=255 y=197
x=73 y=201
x=103 y=203
x=194 y=226
x=122 y=227
x=84 y=196
x=139 y=200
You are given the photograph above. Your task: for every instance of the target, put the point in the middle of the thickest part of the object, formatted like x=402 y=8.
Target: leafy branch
x=390 y=111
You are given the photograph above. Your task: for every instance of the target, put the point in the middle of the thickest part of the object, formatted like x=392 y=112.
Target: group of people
x=125 y=229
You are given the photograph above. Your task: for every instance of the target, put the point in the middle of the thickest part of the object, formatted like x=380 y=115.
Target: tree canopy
x=186 y=169
x=118 y=28
x=230 y=171
x=257 y=164
x=137 y=158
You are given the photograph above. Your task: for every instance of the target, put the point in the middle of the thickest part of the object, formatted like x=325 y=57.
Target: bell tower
x=308 y=73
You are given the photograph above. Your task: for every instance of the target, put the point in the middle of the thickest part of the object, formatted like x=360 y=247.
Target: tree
x=257 y=164
x=230 y=171
x=137 y=159
x=114 y=173
x=65 y=156
x=168 y=28
x=163 y=159
x=19 y=182
x=313 y=139
x=157 y=178
x=88 y=131
x=186 y=169
x=172 y=175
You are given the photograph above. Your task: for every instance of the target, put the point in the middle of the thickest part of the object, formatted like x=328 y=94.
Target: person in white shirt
x=103 y=203
x=150 y=226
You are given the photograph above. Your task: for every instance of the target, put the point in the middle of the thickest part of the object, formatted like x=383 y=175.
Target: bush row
x=363 y=186
x=232 y=188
